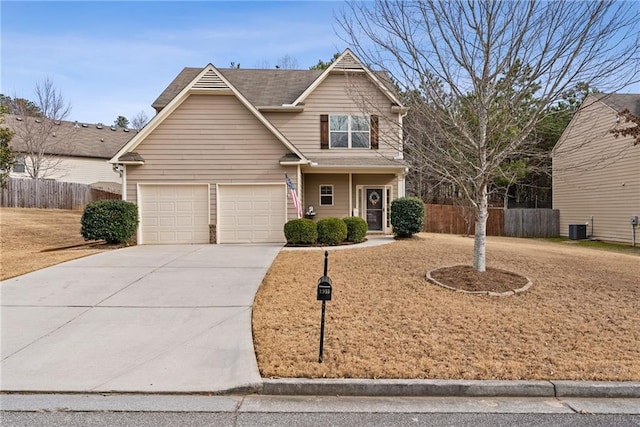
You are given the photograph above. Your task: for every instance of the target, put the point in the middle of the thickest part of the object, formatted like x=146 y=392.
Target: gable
x=208 y=81
x=596 y=117
x=348 y=63
x=210 y=134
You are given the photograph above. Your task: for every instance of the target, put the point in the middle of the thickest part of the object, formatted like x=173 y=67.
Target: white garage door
x=251 y=213
x=172 y=214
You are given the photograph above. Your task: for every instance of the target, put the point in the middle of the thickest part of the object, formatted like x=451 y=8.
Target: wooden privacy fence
x=450 y=219
x=532 y=222
x=47 y=194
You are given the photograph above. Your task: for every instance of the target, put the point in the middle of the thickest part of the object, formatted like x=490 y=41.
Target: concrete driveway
x=141 y=319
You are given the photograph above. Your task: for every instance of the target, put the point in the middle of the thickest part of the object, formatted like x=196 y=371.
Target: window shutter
x=324 y=131
x=374 y=132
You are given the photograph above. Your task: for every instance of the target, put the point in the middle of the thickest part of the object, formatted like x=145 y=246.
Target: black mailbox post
x=324 y=295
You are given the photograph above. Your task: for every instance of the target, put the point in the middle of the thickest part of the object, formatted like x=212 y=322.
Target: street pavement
x=261 y=410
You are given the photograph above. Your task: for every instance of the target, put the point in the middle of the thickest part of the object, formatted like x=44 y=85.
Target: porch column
x=350 y=194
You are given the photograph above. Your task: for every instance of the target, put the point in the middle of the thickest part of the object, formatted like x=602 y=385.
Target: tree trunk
x=480 y=239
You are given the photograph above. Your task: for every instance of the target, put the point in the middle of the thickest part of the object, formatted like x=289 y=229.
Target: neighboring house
x=596 y=177
x=67 y=151
x=210 y=166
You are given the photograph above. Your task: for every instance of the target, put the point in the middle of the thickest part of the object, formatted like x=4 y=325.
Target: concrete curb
x=449 y=388
x=630 y=389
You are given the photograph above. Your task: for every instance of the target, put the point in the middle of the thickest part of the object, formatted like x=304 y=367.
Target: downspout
x=124 y=182
x=401 y=135
x=301 y=194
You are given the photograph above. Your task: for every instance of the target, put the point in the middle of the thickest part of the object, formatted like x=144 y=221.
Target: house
x=211 y=165
x=66 y=151
x=596 y=176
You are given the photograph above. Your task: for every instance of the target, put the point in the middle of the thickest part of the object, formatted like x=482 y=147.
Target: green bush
x=356 y=229
x=407 y=216
x=112 y=220
x=301 y=231
x=331 y=231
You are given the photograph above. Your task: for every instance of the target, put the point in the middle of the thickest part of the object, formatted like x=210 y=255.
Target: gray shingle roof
x=83 y=140
x=621 y=101
x=131 y=156
x=180 y=82
x=261 y=87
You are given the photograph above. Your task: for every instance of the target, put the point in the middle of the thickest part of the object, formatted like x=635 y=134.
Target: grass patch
x=578 y=321
x=30 y=238
x=598 y=244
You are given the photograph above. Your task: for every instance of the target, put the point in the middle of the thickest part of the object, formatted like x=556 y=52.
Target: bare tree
x=631 y=127
x=40 y=137
x=287 y=62
x=139 y=120
x=482 y=74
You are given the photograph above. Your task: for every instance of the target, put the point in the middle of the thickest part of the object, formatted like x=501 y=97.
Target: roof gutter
x=286 y=108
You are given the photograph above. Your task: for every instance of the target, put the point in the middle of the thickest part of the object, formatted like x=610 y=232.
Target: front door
x=374 y=208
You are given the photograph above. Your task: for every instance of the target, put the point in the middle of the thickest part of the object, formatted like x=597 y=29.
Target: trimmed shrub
x=331 y=231
x=356 y=228
x=407 y=216
x=115 y=221
x=301 y=231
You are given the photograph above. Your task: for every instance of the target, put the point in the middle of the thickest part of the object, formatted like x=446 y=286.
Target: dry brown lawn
x=580 y=320
x=26 y=233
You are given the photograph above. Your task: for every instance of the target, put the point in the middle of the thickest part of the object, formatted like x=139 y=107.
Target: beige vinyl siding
x=371 y=180
x=340 y=182
x=83 y=170
x=335 y=96
x=596 y=175
x=210 y=139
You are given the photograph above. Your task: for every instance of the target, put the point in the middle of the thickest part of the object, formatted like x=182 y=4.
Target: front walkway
x=144 y=318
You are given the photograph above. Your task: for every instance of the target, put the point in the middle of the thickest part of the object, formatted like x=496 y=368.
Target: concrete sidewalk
x=140 y=319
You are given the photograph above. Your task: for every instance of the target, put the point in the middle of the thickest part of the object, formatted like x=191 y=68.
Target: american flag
x=294 y=195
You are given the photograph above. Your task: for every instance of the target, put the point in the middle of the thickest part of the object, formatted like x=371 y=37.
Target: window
x=326 y=195
x=19 y=166
x=349 y=131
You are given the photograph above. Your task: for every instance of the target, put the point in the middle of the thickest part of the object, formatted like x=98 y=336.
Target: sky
x=114 y=58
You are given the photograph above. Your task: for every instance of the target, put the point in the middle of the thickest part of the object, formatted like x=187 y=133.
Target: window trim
x=19 y=164
x=320 y=195
x=349 y=132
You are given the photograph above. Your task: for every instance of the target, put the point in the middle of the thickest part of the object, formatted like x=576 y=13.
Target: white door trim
x=361 y=205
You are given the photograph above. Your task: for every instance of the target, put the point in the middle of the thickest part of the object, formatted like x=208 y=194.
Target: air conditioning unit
x=577 y=231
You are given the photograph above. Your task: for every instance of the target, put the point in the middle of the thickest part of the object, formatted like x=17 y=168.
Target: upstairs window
x=349 y=131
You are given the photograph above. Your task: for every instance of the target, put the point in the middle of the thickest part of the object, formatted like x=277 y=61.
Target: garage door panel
x=244 y=205
x=173 y=214
x=251 y=213
x=184 y=221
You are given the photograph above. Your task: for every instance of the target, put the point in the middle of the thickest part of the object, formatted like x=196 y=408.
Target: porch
x=366 y=195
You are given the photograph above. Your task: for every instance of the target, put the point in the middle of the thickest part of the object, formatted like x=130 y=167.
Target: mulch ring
x=493 y=281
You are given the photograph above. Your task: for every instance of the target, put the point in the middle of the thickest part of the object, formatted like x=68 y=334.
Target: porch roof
x=357 y=163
